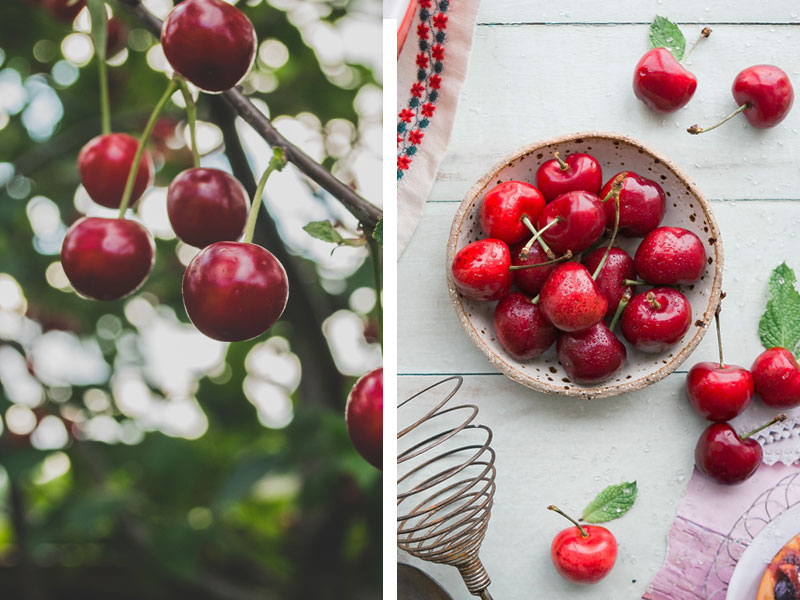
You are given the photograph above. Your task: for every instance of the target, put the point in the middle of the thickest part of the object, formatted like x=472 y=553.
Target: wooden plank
x=533 y=82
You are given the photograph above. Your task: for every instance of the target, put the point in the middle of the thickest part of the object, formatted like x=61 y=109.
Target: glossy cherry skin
x=234 y=291
x=642 y=204
x=106 y=259
x=210 y=42
x=583 y=173
x=115 y=36
x=777 y=378
x=104 y=163
x=768 y=92
x=481 y=270
x=364 y=417
x=530 y=281
x=719 y=393
x=725 y=457
x=521 y=327
x=618 y=267
x=656 y=319
x=584 y=560
x=504 y=206
x=670 y=255
x=661 y=82
x=570 y=299
x=591 y=356
x=206 y=206
x=582 y=222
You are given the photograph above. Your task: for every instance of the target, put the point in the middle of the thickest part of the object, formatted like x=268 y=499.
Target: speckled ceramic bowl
x=686 y=207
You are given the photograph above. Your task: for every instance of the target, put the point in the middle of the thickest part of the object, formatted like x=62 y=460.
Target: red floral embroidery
x=435 y=81
x=415 y=137
x=406 y=115
x=422 y=61
x=399 y=139
x=403 y=162
x=417 y=89
x=425 y=3
x=427 y=109
x=438 y=52
x=440 y=21
x=422 y=31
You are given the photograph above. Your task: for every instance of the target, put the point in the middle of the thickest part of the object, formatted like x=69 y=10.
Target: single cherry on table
x=104 y=164
x=661 y=82
x=521 y=327
x=656 y=319
x=642 y=204
x=503 y=208
x=776 y=375
x=577 y=172
x=583 y=553
x=670 y=255
x=364 y=416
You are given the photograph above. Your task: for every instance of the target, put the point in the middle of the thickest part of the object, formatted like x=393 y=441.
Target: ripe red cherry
x=570 y=298
x=617 y=269
x=530 y=281
x=642 y=204
x=521 y=327
x=104 y=163
x=581 y=221
x=727 y=457
x=115 y=36
x=719 y=393
x=584 y=553
x=578 y=172
x=481 y=270
x=210 y=42
x=364 y=416
x=661 y=82
x=591 y=356
x=106 y=259
x=656 y=319
x=777 y=378
x=670 y=255
x=504 y=206
x=206 y=206
x=234 y=291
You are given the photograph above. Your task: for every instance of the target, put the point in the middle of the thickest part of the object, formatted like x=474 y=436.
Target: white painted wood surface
x=528 y=82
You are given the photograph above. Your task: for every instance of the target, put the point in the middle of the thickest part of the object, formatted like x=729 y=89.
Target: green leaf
x=780 y=323
x=377 y=233
x=665 y=34
x=97 y=12
x=323 y=230
x=611 y=503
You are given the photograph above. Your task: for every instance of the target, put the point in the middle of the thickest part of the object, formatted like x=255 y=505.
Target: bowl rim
x=504 y=362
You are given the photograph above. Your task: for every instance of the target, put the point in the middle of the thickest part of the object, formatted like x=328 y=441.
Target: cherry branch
x=367 y=213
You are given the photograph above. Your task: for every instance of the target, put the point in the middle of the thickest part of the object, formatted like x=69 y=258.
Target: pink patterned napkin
x=430 y=71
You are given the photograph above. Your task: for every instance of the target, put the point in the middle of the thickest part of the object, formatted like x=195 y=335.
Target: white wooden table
x=540 y=69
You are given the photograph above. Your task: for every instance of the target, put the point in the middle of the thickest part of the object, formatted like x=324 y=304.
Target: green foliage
x=665 y=34
x=611 y=503
x=780 y=323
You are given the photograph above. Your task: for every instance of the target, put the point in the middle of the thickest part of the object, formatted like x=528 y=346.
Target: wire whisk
x=445 y=487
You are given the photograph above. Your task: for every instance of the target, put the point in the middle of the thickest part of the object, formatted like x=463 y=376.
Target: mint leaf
x=611 y=503
x=377 y=233
x=665 y=34
x=99 y=18
x=780 y=323
x=323 y=230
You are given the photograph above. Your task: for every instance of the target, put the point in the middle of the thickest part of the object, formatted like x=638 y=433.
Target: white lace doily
x=781 y=442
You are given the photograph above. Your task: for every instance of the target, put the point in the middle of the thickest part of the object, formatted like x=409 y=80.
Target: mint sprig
x=611 y=503
x=665 y=34
x=780 y=323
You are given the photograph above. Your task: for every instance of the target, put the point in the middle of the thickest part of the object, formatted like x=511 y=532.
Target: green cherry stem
x=377 y=270
x=584 y=533
x=695 y=129
x=653 y=301
x=277 y=163
x=633 y=282
x=137 y=158
x=623 y=302
x=191 y=117
x=719 y=333
x=566 y=256
x=616 y=188
x=99 y=25
x=561 y=164
x=778 y=419
x=537 y=235
x=105 y=108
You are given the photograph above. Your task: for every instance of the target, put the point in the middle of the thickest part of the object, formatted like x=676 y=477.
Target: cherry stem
x=191 y=117
x=566 y=256
x=584 y=533
x=695 y=129
x=137 y=158
x=105 y=109
x=537 y=236
x=535 y=299
x=623 y=302
x=652 y=300
x=377 y=270
x=633 y=282
x=778 y=419
x=277 y=162
x=561 y=164
x=719 y=334
x=616 y=188
x=703 y=34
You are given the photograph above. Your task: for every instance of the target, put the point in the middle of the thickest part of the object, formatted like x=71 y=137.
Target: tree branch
x=368 y=214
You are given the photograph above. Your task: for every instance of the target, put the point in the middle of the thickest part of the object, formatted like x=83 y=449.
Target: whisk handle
x=485 y=595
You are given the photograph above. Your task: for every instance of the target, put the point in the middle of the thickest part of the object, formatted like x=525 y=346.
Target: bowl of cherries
x=587 y=265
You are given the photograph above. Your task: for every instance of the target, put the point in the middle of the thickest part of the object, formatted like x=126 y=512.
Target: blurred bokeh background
x=138 y=458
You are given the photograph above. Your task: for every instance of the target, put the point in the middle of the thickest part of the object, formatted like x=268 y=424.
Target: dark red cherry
x=577 y=172
x=234 y=291
x=656 y=319
x=210 y=42
x=504 y=206
x=64 y=10
x=661 y=82
x=530 y=281
x=642 y=204
x=106 y=259
x=206 y=206
x=581 y=221
x=104 y=164
x=777 y=378
x=617 y=268
x=521 y=328
x=115 y=36
x=364 y=416
x=768 y=93
x=719 y=393
x=570 y=299
x=670 y=255
x=481 y=270
x=591 y=356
